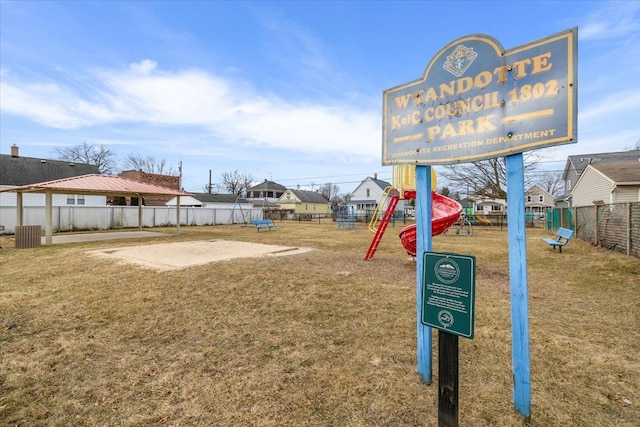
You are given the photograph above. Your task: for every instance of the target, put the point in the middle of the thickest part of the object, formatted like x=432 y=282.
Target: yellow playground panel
x=404 y=178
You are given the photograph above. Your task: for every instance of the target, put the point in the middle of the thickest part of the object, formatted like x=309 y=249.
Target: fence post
x=595 y=234
x=628 y=229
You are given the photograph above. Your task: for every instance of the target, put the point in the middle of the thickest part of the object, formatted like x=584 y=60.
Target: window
x=75 y=200
x=368 y=192
x=541 y=198
x=528 y=198
x=567 y=185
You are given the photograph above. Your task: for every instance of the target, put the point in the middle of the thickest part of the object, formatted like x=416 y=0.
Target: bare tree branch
x=485 y=178
x=551 y=182
x=330 y=191
x=88 y=153
x=236 y=182
x=148 y=164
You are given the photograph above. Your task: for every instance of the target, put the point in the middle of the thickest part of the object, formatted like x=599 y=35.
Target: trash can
x=28 y=236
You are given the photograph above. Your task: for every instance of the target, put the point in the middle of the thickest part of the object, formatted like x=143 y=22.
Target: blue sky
x=288 y=91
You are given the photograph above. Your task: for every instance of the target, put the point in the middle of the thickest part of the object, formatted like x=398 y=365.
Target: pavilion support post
x=178 y=215
x=19 y=209
x=48 y=218
x=140 y=212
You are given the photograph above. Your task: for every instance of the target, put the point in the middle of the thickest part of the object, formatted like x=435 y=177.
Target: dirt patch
x=175 y=256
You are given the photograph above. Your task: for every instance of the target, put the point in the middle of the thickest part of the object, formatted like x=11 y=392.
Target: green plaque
x=448 y=292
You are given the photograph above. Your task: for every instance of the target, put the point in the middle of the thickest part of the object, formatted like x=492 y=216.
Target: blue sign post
x=423 y=244
x=477 y=101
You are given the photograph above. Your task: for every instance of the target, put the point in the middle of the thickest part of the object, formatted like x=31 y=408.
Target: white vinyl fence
x=79 y=218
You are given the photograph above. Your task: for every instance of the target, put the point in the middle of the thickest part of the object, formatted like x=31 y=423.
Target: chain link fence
x=614 y=226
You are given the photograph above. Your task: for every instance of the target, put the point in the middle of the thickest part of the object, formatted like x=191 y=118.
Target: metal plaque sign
x=448 y=292
x=477 y=101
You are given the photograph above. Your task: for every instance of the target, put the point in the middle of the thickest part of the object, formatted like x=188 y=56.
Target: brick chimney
x=14 y=151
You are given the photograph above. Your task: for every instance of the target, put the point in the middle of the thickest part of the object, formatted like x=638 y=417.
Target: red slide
x=445 y=212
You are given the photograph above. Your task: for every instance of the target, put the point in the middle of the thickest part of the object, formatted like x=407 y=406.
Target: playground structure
x=462 y=225
x=469 y=211
x=346 y=217
x=445 y=211
x=482 y=220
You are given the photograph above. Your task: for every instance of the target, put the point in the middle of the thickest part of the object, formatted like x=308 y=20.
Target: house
x=217 y=201
x=168 y=181
x=538 y=200
x=364 y=199
x=576 y=165
x=265 y=194
x=16 y=171
x=605 y=183
x=490 y=206
x=305 y=202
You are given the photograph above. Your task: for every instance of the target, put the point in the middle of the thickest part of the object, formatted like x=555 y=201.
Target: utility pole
x=209 y=181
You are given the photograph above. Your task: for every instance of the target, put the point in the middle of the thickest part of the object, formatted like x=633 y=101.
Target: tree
x=89 y=153
x=551 y=182
x=236 y=182
x=486 y=178
x=148 y=164
x=328 y=190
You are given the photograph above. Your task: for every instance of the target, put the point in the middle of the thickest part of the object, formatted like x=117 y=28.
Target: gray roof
x=310 y=196
x=380 y=183
x=620 y=172
x=580 y=161
x=267 y=185
x=219 y=198
x=16 y=171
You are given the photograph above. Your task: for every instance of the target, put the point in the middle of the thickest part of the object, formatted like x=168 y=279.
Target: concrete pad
x=178 y=255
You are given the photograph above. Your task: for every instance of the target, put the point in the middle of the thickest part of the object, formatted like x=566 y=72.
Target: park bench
x=563 y=235
x=263 y=223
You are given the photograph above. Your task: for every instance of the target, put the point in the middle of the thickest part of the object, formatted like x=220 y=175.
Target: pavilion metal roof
x=95 y=184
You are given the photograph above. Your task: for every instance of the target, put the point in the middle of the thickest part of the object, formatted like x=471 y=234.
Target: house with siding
x=265 y=194
x=606 y=183
x=304 y=202
x=537 y=200
x=16 y=171
x=490 y=206
x=365 y=198
x=575 y=166
x=216 y=201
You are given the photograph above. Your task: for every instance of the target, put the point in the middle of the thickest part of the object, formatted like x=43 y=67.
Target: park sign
x=477 y=101
x=448 y=286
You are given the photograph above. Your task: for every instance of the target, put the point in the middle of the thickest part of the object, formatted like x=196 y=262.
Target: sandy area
x=174 y=256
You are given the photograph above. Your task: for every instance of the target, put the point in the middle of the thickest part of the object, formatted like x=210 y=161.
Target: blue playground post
x=423 y=236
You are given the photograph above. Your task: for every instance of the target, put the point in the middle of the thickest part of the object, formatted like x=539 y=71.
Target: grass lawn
x=321 y=338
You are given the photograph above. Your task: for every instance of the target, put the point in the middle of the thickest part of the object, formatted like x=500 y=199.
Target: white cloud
x=145 y=66
x=51 y=105
x=232 y=110
x=614 y=20
x=614 y=105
